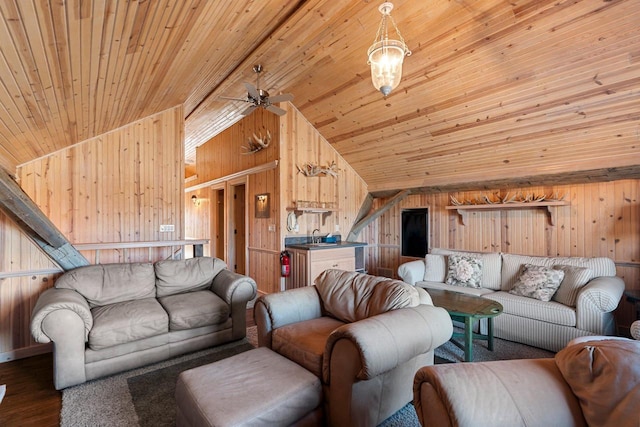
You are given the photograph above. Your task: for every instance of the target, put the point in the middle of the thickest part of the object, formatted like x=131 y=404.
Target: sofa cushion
x=605 y=376
x=574 y=279
x=349 y=296
x=537 y=281
x=127 y=321
x=304 y=342
x=491 y=265
x=550 y=312
x=465 y=271
x=194 y=274
x=194 y=309
x=435 y=268
x=105 y=284
x=511 y=265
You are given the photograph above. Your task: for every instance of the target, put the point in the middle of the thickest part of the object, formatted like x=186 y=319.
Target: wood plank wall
x=603 y=219
x=18 y=295
x=294 y=142
x=304 y=144
x=117 y=187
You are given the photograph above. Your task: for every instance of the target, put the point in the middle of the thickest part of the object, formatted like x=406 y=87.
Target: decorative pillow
x=464 y=271
x=574 y=279
x=436 y=268
x=605 y=376
x=537 y=281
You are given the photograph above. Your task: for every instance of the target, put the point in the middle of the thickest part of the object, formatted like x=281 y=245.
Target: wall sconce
x=195 y=200
x=386 y=56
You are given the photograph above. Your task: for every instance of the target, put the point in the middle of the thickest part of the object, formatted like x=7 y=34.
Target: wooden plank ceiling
x=495 y=91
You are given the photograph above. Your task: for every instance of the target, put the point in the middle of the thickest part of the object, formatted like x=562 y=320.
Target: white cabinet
x=306 y=265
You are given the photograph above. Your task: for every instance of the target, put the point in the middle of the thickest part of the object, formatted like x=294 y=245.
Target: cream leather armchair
x=592 y=381
x=364 y=336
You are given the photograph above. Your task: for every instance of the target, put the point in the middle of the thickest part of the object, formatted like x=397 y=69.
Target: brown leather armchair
x=364 y=336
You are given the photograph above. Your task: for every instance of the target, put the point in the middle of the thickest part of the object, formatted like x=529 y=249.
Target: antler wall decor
x=312 y=169
x=256 y=143
x=508 y=198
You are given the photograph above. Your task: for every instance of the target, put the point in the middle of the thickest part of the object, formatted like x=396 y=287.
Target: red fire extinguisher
x=285 y=263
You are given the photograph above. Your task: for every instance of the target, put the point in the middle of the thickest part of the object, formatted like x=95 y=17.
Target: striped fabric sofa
x=583 y=304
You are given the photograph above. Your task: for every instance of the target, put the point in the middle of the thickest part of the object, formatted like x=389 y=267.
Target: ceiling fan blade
x=281 y=98
x=248 y=110
x=276 y=110
x=234 y=99
x=253 y=92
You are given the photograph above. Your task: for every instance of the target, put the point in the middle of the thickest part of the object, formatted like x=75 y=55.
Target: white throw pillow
x=435 y=268
x=464 y=271
x=574 y=279
x=537 y=281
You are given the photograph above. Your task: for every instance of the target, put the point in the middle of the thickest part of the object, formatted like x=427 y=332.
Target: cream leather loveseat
x=582 y=305
x=363 y=336
x=109 y=318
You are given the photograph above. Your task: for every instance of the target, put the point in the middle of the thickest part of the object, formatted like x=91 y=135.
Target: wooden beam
x=17 y=205
x=362 y=223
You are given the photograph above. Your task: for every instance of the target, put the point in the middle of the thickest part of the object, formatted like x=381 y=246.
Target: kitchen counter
x=320 y=246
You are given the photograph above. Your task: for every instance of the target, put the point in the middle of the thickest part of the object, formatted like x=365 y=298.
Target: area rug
x=145 y=397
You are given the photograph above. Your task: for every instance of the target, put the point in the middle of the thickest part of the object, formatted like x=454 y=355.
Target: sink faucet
x=315 y=239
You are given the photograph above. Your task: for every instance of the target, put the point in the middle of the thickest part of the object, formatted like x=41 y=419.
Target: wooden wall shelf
x=548 y=206
x=324 y=212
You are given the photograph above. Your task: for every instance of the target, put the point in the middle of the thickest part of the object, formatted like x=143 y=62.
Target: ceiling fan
x=260 y=98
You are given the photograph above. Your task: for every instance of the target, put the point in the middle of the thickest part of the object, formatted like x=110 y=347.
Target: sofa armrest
x=601 y=294
x=409 y=332
x=529 y=392
x=233 y=287
x=53 y=300
x=412 y=271
x=63 y=316
x=273 y=311
x=236 y=290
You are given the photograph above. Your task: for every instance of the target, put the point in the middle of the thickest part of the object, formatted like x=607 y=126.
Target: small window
x=415 y=232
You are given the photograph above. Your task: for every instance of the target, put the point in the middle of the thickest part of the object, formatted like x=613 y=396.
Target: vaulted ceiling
x=495 y=91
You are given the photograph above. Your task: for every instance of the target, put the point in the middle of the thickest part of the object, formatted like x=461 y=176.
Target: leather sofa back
x=350 y=296
x=104 y=284
x=178 y=276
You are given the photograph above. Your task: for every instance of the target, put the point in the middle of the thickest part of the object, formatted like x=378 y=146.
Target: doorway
x=237 y=240
x=218 y=235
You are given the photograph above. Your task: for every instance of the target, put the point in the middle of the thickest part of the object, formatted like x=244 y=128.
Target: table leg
x=468 y=339
x=490 y=333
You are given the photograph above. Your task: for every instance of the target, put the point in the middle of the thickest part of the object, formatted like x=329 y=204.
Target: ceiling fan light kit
x=260 y=98
x=386 y=56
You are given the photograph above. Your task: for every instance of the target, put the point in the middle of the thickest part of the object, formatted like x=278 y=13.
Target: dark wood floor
x=31 y=399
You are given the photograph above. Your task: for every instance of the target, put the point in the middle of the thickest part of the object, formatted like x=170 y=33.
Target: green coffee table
x=467 y=308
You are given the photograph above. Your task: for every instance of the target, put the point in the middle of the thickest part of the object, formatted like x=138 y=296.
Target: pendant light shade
x=385 y=55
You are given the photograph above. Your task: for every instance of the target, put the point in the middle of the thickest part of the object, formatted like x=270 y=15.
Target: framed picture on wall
x=262 y=205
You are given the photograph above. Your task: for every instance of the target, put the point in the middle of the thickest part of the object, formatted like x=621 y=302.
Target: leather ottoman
x=258 y=388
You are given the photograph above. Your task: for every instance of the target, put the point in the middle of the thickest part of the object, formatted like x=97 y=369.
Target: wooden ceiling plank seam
x=74 y=40
x=153 y=96
x=15 y=90
x=99 y=13
x=111 y=39
x=161 y=91
x=31 y=87
x=84 y=14
x=59 y=31
x=143 y=70
x=119 y=61
x=131 y=72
